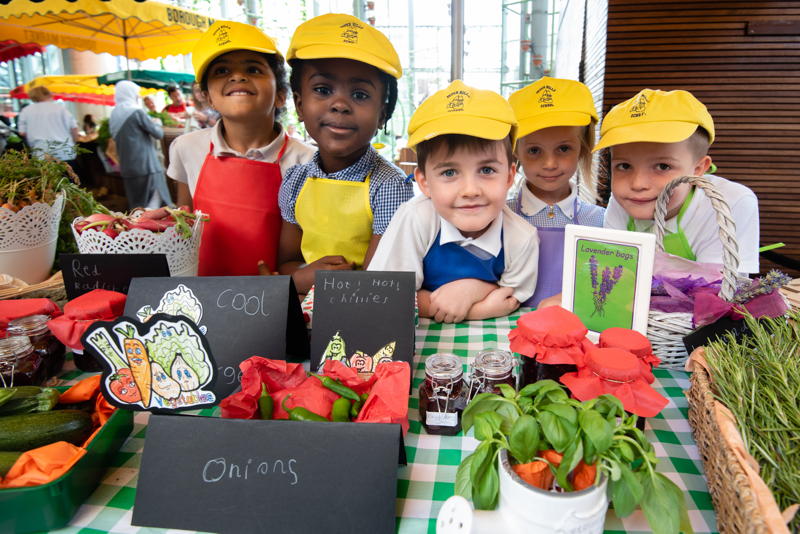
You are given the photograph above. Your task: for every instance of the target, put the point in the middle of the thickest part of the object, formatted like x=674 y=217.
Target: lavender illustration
x=608 y=279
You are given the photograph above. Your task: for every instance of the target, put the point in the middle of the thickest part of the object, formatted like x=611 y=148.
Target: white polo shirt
x=414 y=228
x=47 y=127
x=188 y=152
x=699 y=223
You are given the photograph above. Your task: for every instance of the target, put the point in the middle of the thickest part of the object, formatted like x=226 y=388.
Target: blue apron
x=551 y=257
x=446 y=263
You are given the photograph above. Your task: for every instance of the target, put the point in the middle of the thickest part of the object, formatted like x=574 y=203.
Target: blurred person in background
x=48 y=127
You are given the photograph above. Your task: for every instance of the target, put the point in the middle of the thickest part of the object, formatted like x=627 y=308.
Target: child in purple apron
x=554 y=144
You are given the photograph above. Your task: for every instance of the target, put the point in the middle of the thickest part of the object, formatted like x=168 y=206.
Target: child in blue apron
x=658 y=136
x=555 y=138
x=233 y=171
x=336 y=207
x=473 y=257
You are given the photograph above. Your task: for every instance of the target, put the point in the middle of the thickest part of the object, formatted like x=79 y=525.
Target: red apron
x=241 y=197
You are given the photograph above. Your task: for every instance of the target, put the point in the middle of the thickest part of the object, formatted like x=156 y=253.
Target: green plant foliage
x=542 y=417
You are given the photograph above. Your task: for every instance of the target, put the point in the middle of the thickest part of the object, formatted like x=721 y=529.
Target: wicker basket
x=666 y=330
x=734 y=501
x=52 y=288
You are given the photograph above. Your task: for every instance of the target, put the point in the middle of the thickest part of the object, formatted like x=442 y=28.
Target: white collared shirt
x=490 y=241
x=187 y=153
x=531 y=204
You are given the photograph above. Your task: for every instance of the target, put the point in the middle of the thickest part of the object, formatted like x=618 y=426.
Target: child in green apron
x=336 y=207
x=658 y=136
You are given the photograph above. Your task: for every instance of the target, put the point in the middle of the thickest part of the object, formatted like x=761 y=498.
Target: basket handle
x=727 y=228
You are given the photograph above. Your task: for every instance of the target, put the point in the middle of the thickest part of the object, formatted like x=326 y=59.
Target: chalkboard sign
x=241 y=316
x=238 y=475
x=363 y=317
x=85 y=272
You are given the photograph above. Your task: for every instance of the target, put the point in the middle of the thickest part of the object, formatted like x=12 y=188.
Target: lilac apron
x=551 y=258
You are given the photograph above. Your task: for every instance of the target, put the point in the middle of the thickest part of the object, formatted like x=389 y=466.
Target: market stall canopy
x=153 y=79
x=74 y=88
x=137 y=30
x=12 y=50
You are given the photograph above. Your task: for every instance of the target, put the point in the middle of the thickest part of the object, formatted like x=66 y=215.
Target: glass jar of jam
x=20 y=365
x=490 y=369
x=44 y=342
x=533 y=371
x=442 y=396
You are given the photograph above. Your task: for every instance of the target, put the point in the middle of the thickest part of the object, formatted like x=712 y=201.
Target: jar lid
x=444 y=366
x=15 y=345
x=32 y=324
x=494 y=363
x=552 y=326
x=614 y=364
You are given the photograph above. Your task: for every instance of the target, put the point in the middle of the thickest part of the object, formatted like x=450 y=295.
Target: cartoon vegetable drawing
x=136 y=353
x=361 y=362
x=163 y=384
x=335 y=349
x=385 y=354
x=183 y=374
x=123 y=387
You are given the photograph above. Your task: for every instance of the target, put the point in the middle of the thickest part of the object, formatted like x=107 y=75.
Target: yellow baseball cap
x=344 y=36
x=226 y=36
x=464 y=110
x=552 y=102
x=655 y=116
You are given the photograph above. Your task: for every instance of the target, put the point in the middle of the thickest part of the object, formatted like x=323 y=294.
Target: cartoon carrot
x=136 y=353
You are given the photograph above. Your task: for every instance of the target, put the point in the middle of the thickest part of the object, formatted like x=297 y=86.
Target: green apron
x=675 y=244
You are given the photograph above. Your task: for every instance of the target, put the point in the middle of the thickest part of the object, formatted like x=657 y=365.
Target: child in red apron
x=233 y=171
x=337 y=206
x=554 y=145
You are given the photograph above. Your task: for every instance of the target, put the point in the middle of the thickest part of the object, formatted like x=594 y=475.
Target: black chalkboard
x=237 y=475
x=244 y=316
x=85 y=272
x=368 y=309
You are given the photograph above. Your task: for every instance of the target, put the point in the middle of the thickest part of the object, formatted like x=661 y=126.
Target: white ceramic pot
x=28 y=240
x=523 y=509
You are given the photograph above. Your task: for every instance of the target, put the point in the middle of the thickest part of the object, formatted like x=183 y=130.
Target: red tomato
x=123 y=387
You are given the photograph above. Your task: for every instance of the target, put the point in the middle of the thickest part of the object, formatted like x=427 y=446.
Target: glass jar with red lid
x=44 y=342
x=442 y=396
x=20 y=364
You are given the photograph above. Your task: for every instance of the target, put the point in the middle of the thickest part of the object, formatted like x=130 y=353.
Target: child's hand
x=451 y=302
x=498 y=303
x=304 y=276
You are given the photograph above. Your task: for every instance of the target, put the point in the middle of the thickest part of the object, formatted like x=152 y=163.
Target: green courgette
x=7 y=461
x=28 y=399
x=29 y=431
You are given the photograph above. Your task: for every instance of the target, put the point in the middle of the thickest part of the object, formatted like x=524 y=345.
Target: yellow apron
x=336 y=219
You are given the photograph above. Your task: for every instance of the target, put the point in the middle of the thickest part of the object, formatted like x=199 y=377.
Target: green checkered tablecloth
x=428 y=479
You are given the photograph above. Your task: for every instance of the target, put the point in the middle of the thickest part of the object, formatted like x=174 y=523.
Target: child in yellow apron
x=336 y=206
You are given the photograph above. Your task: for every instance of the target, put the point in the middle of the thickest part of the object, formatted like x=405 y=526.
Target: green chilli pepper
x=337 y=387
x=301 y=414
x=265 y=403
x=355 y=409
x=340 y=412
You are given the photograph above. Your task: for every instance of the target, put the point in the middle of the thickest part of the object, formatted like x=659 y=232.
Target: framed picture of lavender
x=607 y=277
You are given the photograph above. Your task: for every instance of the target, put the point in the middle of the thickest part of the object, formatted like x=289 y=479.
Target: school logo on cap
x=350 y=33
x=639 y=108
x=545 y=93
x=457 y=99
x=222 y=36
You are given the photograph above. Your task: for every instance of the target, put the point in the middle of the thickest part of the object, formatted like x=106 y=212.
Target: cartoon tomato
x=123 y=387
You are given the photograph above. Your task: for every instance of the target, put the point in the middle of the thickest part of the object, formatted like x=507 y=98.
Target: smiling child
x=473 y=257
x=233 y=171
x=337 y=206
x=554 y=147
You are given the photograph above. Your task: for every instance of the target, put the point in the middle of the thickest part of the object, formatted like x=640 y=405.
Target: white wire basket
x=666 y=330
x=182 y=253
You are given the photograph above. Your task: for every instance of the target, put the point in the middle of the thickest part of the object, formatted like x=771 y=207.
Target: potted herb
x=558 y=443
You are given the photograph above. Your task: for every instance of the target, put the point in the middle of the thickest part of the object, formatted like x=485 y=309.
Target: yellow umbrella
x=75 y=88
x=138 y=30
